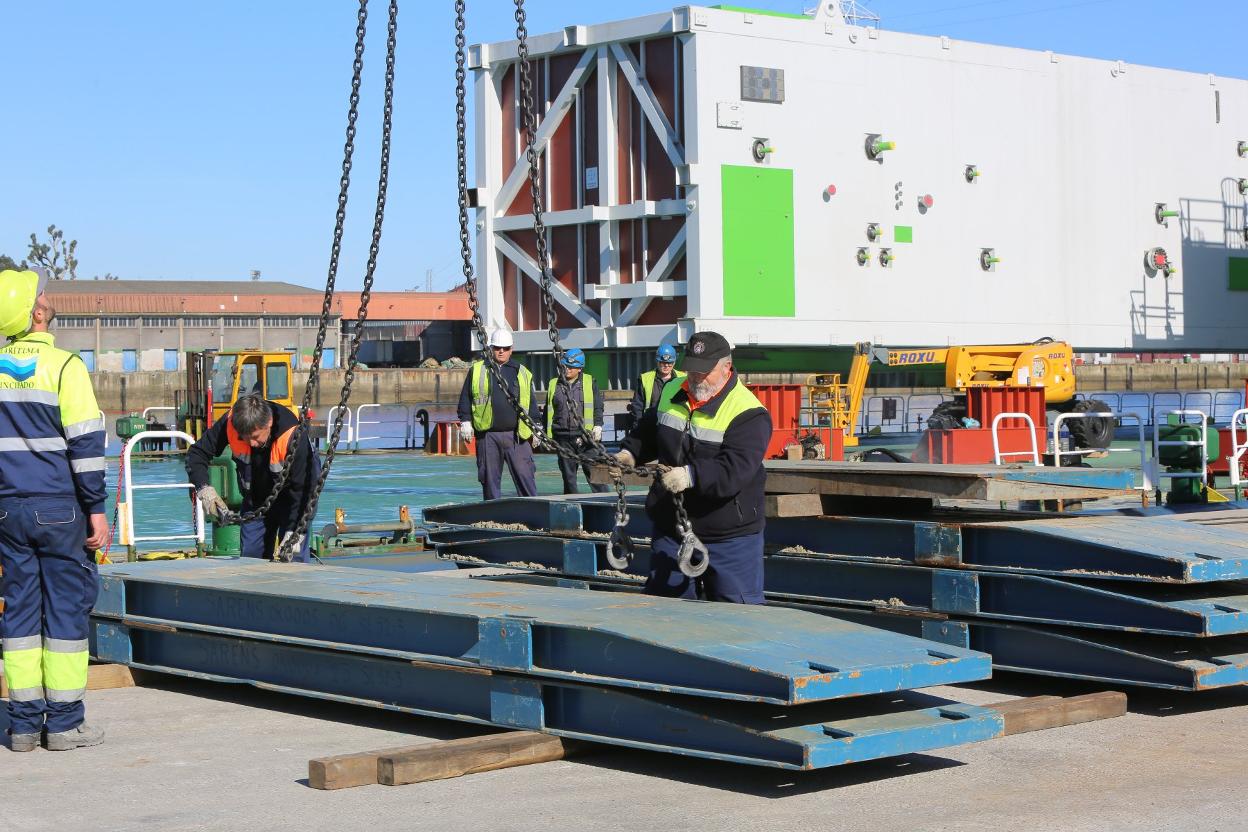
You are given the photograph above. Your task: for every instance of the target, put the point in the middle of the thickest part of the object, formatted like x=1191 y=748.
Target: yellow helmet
x=18 y=291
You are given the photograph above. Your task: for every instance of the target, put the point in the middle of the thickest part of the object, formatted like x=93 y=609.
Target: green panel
x=1238 y=268
x=598 y=365
x=765 y=12
x=758 y=241
x=903 y=234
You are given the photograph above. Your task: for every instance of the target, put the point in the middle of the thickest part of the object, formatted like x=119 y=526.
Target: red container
x=784 y=403
x=444 y=439
x=973 y=446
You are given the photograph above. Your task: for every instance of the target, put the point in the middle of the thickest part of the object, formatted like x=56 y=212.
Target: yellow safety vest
x=702 y=427
x=483 y=407
x=587 y=410
x=648 y=380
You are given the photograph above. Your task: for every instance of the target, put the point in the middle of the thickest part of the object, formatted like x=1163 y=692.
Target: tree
x=56 y=255
x=7 y=262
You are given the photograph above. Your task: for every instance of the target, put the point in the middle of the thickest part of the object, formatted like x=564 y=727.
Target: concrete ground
x=187 y=755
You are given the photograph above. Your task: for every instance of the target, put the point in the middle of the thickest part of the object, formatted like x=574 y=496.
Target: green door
x=758 y=241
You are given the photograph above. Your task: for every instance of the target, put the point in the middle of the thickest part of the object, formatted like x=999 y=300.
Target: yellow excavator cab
x=241 y=372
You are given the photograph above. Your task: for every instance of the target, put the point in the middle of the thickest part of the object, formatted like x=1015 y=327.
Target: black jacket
x=505 y=420
x=726 y=500
x=569 y=414
x=298 y=487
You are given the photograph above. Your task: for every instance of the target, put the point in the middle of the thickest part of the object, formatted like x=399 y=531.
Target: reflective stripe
x=23 y=643
x=698 y=432
x=91 y=463
x=18 y=443
x=26 y=694
x=76 y=695
x=64 y=671
x=22 y=668
x=20 y=394
x=483 y=402
x=275 y=467
x=65 y=645
x=83 y=428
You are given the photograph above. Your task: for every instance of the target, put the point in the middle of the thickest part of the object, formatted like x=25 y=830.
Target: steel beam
x=806 y=737
x=744 y=653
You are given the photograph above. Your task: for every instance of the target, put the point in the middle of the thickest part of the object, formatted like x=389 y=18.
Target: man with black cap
x=710 y=434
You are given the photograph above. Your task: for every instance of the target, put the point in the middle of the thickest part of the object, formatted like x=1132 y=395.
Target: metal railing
x=360 y=422
x=128 y=536
x=1238 y=447
x=998 y=454
x=1145 y=468
x=148 y=410
x=1202 y=443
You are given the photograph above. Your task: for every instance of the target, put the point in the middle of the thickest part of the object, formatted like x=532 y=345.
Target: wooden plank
x=454 y=758
x=793 y=505
x=1040 y=712
x=344 y=771
x=99 y=677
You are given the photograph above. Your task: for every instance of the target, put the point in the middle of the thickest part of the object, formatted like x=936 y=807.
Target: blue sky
x=192 y=140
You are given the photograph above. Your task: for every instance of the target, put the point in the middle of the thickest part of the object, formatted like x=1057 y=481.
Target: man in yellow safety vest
x=503 y=439
x=650 y=384
x=574 y=406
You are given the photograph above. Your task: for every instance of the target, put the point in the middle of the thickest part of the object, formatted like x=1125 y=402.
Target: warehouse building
x=133 y=325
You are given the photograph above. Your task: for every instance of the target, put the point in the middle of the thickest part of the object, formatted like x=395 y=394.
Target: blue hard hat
x=666 y=353
x=574 y=357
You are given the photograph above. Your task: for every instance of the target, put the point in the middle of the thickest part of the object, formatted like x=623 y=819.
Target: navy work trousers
x=735 y=574
x=50 y=586
x=496 y=449
x=568 y=467
x=259 y=538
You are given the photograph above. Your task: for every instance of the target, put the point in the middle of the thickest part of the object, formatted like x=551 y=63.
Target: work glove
x=465 y=431
x=626 y=459
x=212 y=502
x=597 y=432
x=676 y=480
x=288 y=547
x=535 y=440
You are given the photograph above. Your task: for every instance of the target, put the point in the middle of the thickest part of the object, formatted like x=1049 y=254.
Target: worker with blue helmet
x=573 y=414
x=649 y=386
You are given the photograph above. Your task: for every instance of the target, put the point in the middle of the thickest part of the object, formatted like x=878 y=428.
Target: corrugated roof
x=70 y=298
x=181 y=287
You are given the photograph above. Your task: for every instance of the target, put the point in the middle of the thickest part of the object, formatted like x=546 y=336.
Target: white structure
x=725 y=169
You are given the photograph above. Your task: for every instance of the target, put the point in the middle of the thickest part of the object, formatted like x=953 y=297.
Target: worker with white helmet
x=502 y=437
x=51 y=520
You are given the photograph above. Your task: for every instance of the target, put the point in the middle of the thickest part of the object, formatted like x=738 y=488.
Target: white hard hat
x=501 y=338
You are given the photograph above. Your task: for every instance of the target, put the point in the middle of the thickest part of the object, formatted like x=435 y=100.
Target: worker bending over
x=258 y=434
x=649 y=385
x=502 y=437
x=711 y=434
x=573 y=414
x=51 y=521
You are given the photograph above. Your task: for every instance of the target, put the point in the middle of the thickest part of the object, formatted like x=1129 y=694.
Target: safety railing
x=1141 y=449
x=129 y=537
x=348 y=424
x=1202 y=443
x=1239 y=446
x=360 y=422
x=998 y=454
x=147 y=411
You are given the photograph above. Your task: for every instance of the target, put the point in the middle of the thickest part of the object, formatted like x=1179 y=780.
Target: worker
x=51 y=520
x=258 y=434
x=709 y=433
x=650 y=384
x=502 y=436
x=573 y=413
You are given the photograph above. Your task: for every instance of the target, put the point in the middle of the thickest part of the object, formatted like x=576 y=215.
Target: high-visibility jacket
x=51 y=429
x=481 y=384
x=647 y=391
x=587 y=401
x=723 y=441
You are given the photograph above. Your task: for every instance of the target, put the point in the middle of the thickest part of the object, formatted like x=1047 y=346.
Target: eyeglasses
x=667 y=363
x=501 y=349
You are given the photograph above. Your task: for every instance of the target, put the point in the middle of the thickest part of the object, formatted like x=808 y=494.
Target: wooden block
x=345 y=771
x=794 y=505
x=793 y=453
x=454 y=758
x=1040 y=712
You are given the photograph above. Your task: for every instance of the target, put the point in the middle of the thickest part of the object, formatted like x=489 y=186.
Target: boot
x=23 y=742
x=81 y=737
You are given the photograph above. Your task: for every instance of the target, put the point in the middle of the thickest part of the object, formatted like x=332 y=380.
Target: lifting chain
x=286 y=552
x=620 y=547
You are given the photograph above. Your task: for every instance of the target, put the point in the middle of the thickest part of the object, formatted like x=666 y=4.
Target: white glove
x=535 y=440
x=289 y=547
x=212 y=502
x=626 y=459
x=676 y=480
x=465 y=431
x=597 y=432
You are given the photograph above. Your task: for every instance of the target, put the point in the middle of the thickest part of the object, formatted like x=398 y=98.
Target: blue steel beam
x=1142 y=659
x=1158 y=549
x=1185 y=610
x=754 y=653
x=809 y=736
